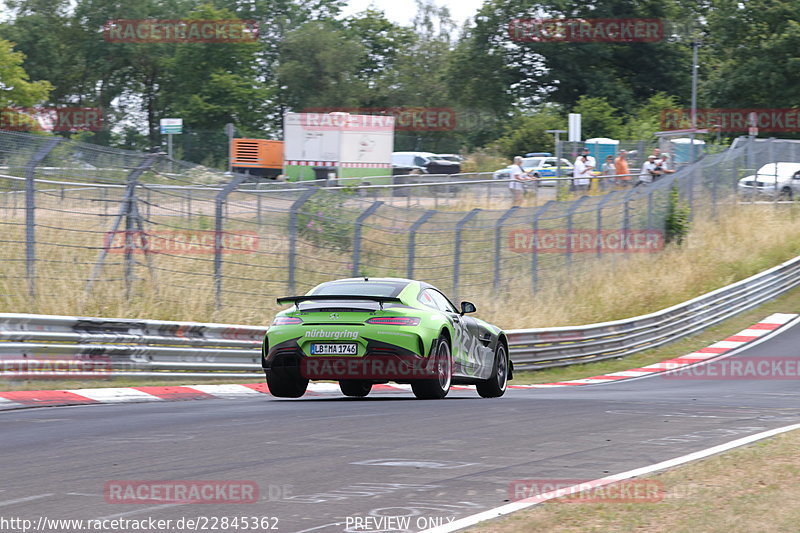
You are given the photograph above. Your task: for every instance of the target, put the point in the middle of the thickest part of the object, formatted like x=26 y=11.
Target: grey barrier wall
x=136 y=347
x=127 y=224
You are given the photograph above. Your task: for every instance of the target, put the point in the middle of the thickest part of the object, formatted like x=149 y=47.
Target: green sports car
x=361 y=331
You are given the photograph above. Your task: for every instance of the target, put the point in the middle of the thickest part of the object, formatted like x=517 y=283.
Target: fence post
x=626 y=217
x=130 y=192
x=295 y=207
x=498 y=237
x=457 y=254
x=219 y=205
x=534 y=243
x=357 y=235
x=600 y=206
x=649 y=207
x=258 y=208
x=30 y=212
x=412 y=239
x=571 y=211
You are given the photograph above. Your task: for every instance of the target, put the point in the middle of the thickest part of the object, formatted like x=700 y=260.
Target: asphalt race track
x=321 y=462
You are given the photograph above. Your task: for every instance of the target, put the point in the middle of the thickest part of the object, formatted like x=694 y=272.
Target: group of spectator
x=614 y=171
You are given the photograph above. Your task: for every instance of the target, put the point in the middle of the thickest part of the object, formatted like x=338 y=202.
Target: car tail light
x=286 y=320
x=394 y=321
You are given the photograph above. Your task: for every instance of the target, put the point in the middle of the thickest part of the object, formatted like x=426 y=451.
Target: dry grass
x=749 y=489
x=737 y=244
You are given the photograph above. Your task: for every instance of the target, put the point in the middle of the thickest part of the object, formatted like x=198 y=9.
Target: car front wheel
x=495 y=386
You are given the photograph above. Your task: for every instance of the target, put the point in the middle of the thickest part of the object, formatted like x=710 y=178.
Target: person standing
x=650 y=171
x=609 y=172
x=582 y=172
x=623 y=172
x=517 y=183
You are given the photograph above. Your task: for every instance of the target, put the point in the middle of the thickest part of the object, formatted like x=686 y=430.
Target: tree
x=751 y=54
x=598 y=118
x=528 y=133
x=16 y=89
x=319 y=68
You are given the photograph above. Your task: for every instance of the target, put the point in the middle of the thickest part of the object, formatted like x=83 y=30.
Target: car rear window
x=361 y=288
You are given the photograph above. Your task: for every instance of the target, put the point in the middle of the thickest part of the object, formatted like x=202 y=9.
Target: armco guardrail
x=550 y=347
x=154 y=346
x=132 y=346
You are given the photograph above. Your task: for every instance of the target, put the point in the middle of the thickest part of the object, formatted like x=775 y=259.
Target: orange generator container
x=257 y=157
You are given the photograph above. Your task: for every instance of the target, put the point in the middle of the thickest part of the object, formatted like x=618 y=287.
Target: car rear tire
x=442 y=361
x=286 y=384
x=496 y=385
x=357 y=388
x=786 y=193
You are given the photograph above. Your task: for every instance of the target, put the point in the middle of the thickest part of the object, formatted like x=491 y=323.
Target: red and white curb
x=51 y=398
x=754 y=332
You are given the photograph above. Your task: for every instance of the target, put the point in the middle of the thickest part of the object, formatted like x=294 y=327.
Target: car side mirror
x=467 y=307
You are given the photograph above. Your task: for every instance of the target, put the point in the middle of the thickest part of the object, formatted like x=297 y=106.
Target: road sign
x=171 y=125
x=574 y=134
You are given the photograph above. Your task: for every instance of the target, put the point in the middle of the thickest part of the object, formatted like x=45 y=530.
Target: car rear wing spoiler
x=338 y=298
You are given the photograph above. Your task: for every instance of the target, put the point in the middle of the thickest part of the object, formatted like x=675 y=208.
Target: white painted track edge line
x=670 y=463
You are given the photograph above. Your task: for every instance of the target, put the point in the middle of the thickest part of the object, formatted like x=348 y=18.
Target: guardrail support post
x=219 y=205
x=30 y=212
x=357 y=235
x=293 y=210
x=412 y=239
x=535 y=243
x=498 y=246
x=457 y=253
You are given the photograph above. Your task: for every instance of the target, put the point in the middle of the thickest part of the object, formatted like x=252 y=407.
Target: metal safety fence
x=42 y=345
x=124 y=225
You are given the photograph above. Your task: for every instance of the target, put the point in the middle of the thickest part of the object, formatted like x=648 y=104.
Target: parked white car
x=780 y=179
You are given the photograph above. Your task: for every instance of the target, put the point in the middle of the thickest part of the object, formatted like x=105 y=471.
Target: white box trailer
x=350 y=146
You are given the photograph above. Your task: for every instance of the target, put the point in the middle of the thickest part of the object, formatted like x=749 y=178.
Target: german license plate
x=338 y=348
